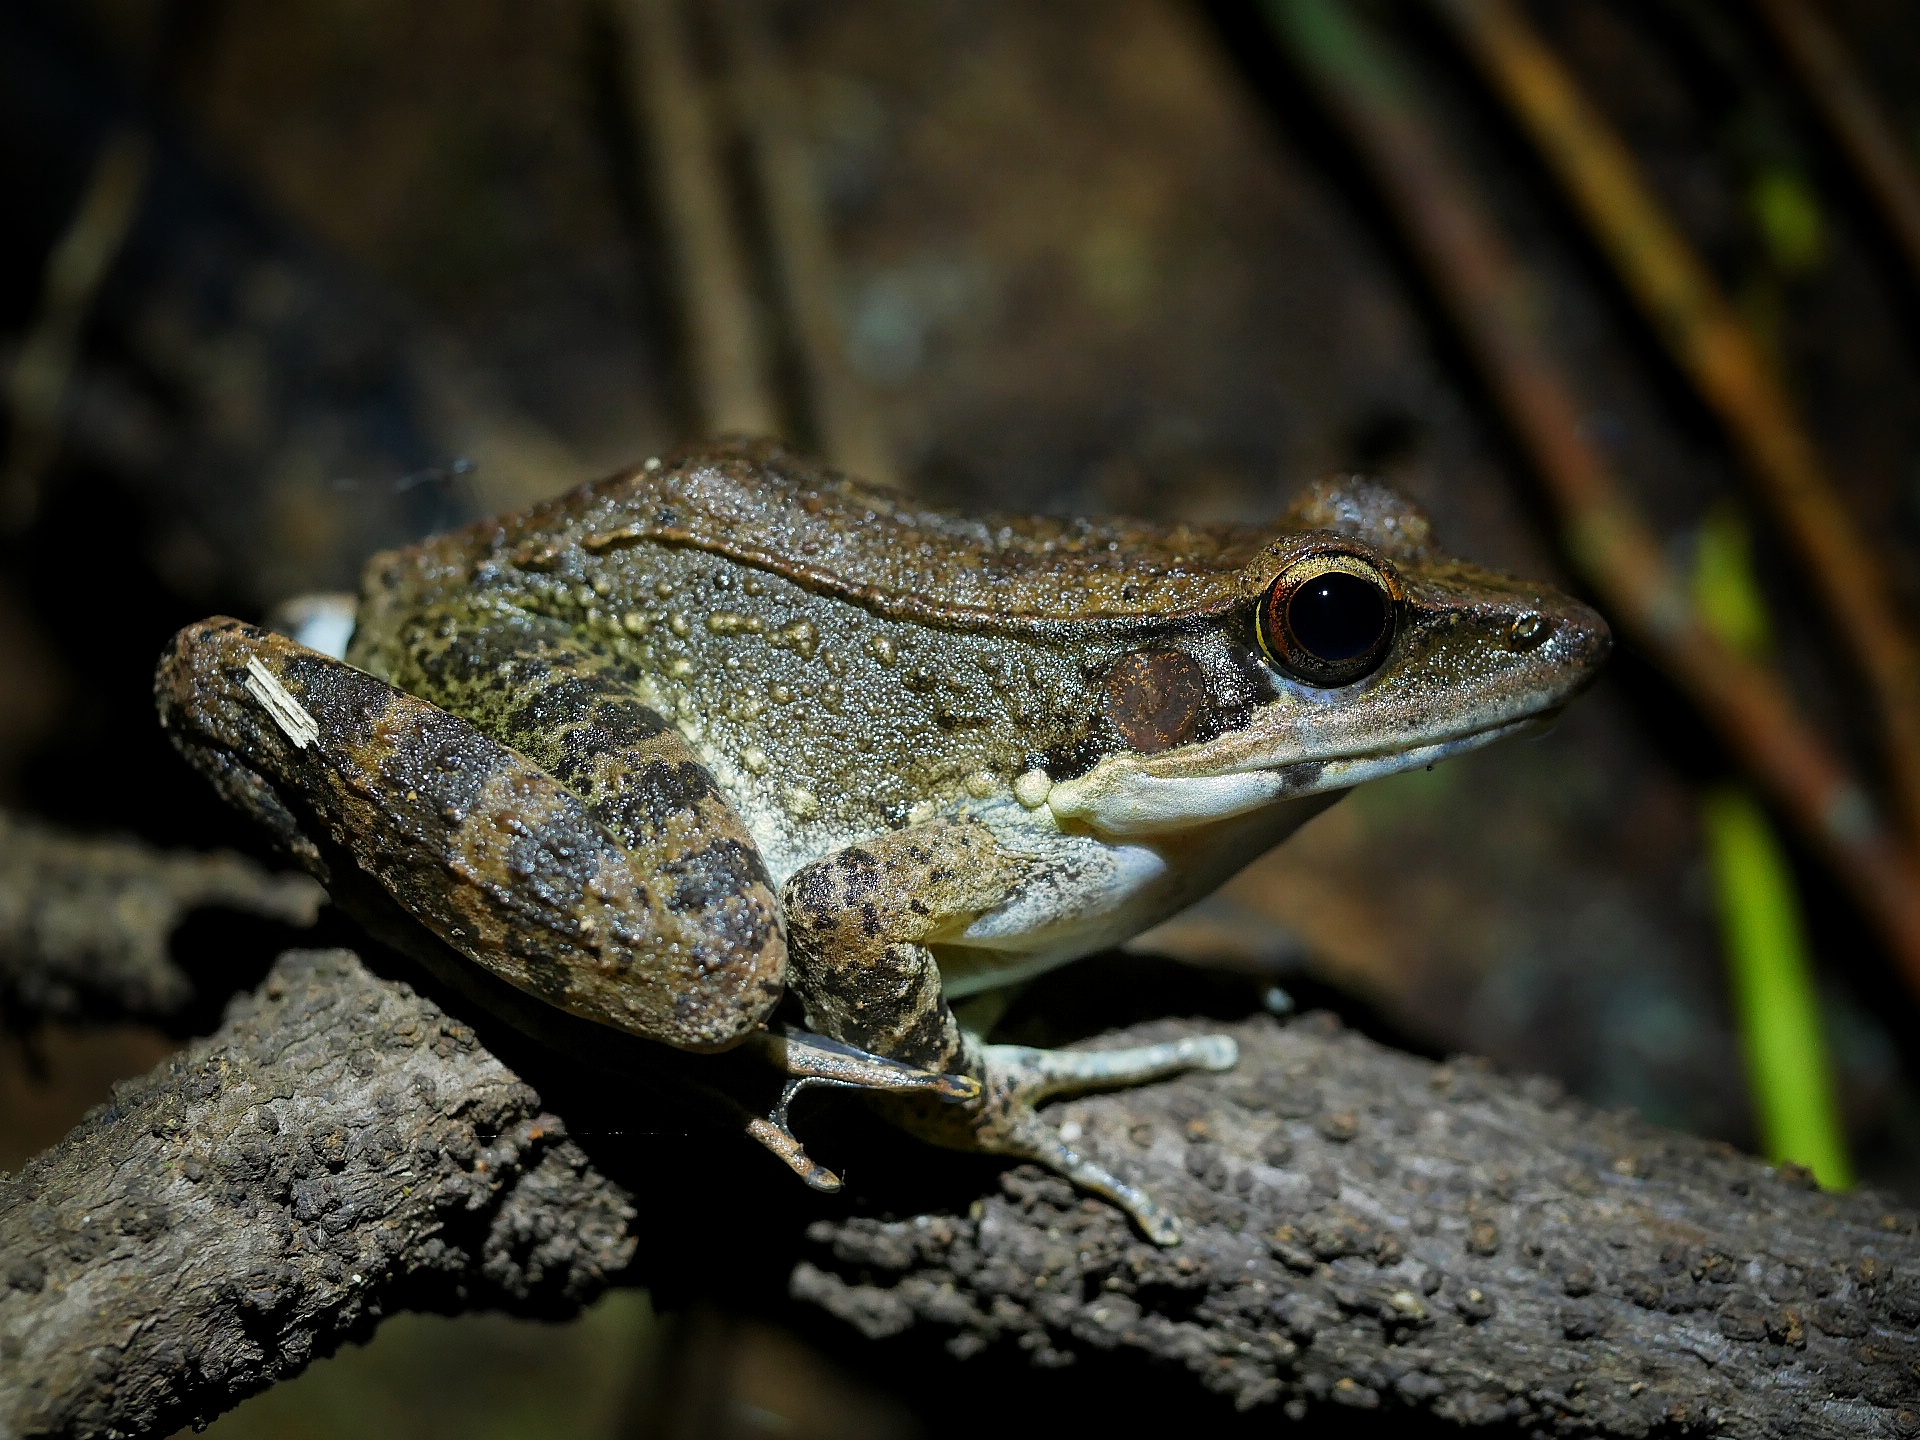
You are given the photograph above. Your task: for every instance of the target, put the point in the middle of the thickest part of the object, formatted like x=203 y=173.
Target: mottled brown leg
x=857 y=926
x=562 y=837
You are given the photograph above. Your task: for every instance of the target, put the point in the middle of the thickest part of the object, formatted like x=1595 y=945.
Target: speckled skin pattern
x=589 y=744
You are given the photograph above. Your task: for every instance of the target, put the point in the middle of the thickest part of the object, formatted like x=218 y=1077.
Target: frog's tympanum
x=728 y=728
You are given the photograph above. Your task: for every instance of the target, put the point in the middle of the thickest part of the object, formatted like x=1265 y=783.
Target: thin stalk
x=844 y=422
x=1774 y=999
x=727 y=354
x=76 y=268
x=1776 y=1003
x=1852 y=115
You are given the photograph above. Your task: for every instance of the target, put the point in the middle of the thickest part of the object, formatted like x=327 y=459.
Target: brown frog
x=729 y=726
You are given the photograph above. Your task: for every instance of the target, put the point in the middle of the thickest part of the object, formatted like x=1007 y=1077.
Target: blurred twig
x=689 y=119
x=1489 y=295
x=845 y=425
x=85 y=923
x=1848 y=109
x=1731 y=368
x=78 y=263
x=727 y=357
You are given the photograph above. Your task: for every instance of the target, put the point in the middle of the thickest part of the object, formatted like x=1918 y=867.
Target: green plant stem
x=1777 y=1006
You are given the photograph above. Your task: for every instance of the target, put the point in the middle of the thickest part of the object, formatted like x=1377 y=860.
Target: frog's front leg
x=859 y=925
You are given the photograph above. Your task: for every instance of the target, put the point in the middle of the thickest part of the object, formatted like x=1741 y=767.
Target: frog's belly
x=1088 y=893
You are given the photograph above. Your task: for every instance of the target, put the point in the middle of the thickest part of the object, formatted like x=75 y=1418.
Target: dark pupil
x=1337 y=616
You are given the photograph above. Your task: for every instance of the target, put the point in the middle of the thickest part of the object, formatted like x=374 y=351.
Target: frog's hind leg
x=543 y=821
x=814 y=1062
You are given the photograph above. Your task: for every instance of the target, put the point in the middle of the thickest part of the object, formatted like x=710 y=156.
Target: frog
x=733 y=750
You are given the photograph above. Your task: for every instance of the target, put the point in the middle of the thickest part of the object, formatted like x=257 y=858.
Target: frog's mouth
x=1124 y=798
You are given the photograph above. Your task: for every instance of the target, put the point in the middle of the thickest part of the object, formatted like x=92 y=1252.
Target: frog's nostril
x=1528 y=632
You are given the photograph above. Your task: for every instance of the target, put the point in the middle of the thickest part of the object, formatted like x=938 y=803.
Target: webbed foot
x=1016 y=1079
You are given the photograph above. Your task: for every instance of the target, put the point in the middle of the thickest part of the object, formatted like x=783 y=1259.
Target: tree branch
x=85 y=923
x=339 y=1150
x=1363 y=1228
x=1370 y=1229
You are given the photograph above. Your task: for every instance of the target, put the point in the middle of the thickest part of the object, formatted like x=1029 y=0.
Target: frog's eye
x=1328 y=619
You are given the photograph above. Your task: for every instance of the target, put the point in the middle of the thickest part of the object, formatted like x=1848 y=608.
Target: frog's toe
x=1018 y=1078
x=1039 y=1074
x=772 y=1132
x=1215 y=1053
x=1017 y=1130
x=815 y=1058
x=1156 y=1224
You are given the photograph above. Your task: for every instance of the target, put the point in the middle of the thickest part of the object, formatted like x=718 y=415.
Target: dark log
x=1373 y=1230
x=1364 y=1229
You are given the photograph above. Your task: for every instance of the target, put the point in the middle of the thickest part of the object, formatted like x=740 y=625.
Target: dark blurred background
x=372 y=269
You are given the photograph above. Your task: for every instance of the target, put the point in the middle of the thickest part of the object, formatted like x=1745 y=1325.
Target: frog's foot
x=1016 y=1079
x=823 y=1061
x=815 y=1061
x=1042 y=1074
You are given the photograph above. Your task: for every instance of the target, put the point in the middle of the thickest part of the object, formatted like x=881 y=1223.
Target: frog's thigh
x=857 y=923
x=631 y=894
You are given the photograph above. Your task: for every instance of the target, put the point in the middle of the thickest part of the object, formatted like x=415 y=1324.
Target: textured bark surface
x=85 y=923
x=1374 y=1230
x=1364 y=1230
x=340 y=1149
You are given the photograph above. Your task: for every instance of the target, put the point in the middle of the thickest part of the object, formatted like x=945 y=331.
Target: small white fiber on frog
x=288 y=713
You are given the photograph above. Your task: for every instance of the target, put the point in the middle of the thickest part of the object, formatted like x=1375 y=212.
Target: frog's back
x=762 y=506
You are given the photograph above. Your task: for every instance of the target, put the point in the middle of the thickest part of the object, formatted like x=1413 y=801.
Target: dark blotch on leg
x=554 y=864
x=443 y=761
x=344 y=702
x=616 y=727
x=663 y=789
x=858 y=881
x=708 y=878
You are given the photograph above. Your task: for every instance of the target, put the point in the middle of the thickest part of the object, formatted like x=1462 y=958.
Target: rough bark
x=340 y=1149
x=1374 y=1230
x=85 y=923
x=1364 y=1229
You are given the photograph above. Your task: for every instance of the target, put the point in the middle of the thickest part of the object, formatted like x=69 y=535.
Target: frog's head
x=1352 y=650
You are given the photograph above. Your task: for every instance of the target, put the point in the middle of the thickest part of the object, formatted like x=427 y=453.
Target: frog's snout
x=1561 y=642
x=1582 y=639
